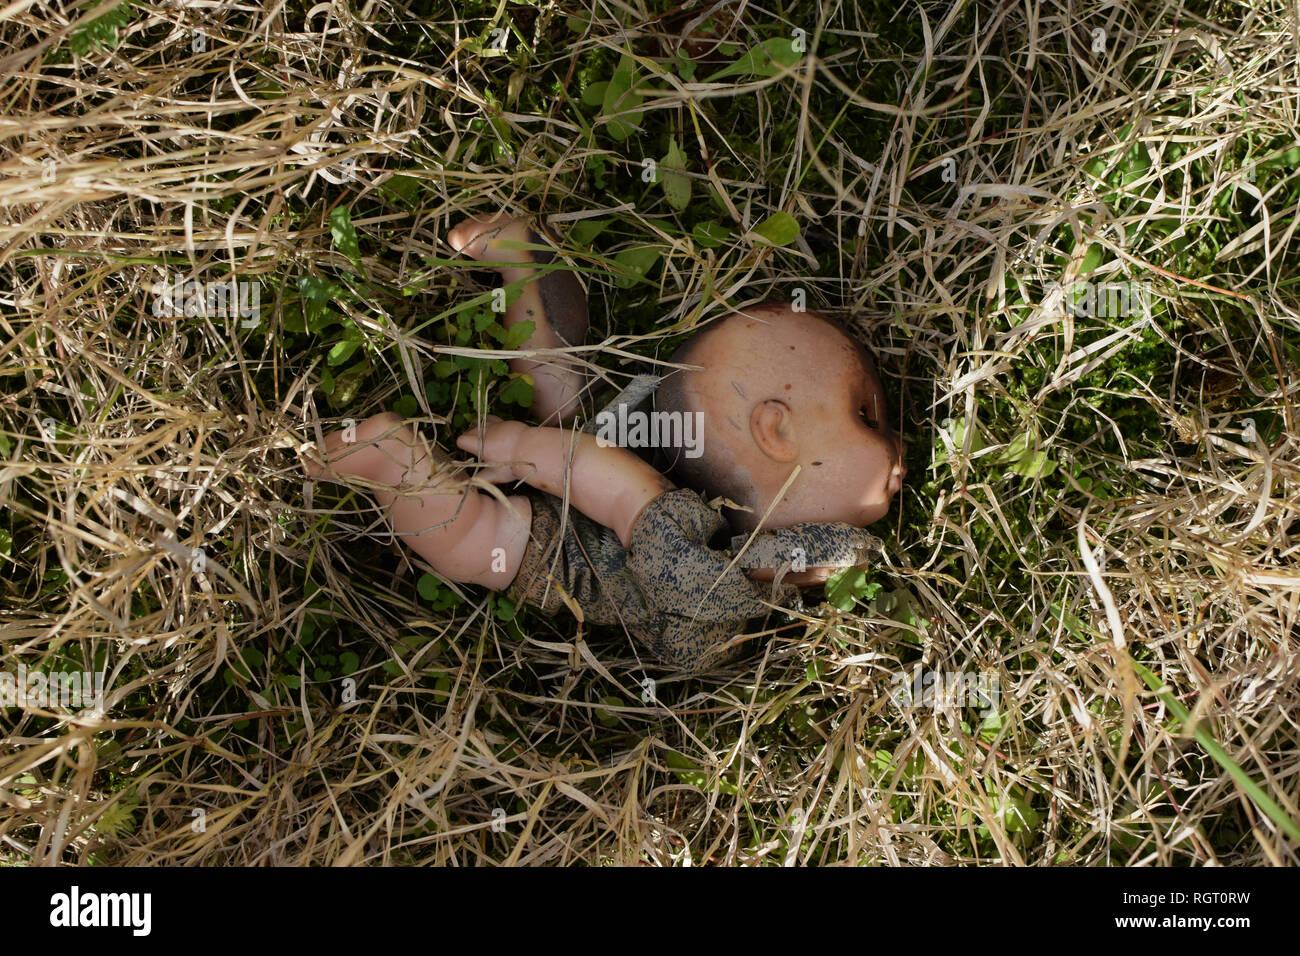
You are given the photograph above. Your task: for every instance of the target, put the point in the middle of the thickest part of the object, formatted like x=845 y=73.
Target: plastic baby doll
x=795 y=435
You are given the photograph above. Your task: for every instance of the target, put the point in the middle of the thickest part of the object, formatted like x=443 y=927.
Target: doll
x=795 y=445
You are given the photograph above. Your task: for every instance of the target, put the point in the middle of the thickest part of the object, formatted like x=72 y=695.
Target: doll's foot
x=554 y=302
x=498 y=240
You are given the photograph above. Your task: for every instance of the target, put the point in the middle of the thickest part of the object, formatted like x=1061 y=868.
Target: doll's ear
x=772 y=427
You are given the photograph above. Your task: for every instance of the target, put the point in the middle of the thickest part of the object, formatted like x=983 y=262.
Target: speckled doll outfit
x=683 y=599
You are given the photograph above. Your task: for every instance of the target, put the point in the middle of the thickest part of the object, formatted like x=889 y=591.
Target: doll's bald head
x=781 y=389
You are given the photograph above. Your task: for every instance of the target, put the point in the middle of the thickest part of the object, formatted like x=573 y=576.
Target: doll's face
x=851 y=457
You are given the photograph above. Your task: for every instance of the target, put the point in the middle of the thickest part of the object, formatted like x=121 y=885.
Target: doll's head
x=781 y=388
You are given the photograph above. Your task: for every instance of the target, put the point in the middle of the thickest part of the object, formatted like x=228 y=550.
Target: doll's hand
x=497 y=442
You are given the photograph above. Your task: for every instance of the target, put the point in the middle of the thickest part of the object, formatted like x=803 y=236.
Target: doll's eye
x=871 y=411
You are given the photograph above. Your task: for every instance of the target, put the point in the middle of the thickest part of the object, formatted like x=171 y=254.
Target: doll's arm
x=611 y=486
x=554 y=302
x=457 y=529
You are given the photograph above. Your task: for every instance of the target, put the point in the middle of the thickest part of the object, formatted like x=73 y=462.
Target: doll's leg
x=467 y=536
x=554 y=302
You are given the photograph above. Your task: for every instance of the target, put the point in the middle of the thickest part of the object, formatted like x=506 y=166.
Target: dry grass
x=1160 y=532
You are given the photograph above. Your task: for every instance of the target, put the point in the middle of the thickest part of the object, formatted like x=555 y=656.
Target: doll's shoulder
x=679 y=515
x=673 y=557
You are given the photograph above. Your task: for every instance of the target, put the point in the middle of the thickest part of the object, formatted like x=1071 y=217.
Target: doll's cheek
x=877 y=510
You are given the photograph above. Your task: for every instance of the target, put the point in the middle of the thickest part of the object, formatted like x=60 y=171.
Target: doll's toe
x=463 y=233
x=476 y=238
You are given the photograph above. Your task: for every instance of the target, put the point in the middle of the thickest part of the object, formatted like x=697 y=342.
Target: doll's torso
x=680 y=597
